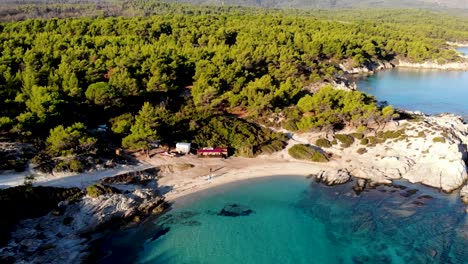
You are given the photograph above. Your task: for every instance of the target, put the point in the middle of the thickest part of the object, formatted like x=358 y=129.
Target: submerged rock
x=161 y=232
x=235 y=210
x=409 y=193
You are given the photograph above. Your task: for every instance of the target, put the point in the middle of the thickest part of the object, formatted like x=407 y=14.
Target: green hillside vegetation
x=186 y=73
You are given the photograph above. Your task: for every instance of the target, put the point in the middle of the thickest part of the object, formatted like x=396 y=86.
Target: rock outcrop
x=63 y=235
x=431 y=150
x=334 y=177
x=367 y=68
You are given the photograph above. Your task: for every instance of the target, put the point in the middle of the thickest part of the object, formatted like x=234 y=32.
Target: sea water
x=463 y=50
x=428 y=91
x=296 y=220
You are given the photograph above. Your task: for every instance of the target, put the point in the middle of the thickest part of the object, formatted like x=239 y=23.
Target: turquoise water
x=295 y=220
x=428 y=91
x=463 y=50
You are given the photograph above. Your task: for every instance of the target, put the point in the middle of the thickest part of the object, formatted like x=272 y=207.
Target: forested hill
x=462 y=4
x=79 y=87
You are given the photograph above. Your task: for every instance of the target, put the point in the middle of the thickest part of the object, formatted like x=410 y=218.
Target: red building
x=213 y=152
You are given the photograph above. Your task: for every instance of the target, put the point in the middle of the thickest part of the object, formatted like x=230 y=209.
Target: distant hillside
x=462 y=4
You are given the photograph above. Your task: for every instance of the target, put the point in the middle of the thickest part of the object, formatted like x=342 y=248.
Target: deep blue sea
x=428 y=91
x=296 y=220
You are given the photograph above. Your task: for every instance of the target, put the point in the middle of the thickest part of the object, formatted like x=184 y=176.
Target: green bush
x=346 y=140
x=357 y=135
x=364 y=141
x=323 y=143
x=291 y=125
x=438 y=140
x=375 y=140
x=99 y=189
x=421 y=134
x=361 y=128
x=390 y=134
x=306 y=152
x=61 y=166
x=76 y=165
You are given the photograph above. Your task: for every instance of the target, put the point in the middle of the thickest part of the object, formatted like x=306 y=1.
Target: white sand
x=231 y=170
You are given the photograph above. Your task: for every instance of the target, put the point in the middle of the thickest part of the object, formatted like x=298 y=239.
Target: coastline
x=269 y=168
x=181 y=177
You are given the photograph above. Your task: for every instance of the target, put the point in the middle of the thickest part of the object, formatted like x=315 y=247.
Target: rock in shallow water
x=235 y=210
x=161 y=232
x=334 y=177
x=464 y=194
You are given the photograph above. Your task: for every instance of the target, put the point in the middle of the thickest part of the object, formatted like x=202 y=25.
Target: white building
x=183 y=147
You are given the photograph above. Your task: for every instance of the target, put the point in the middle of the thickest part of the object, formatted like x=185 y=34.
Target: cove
x=296 y=220
x=428 y=91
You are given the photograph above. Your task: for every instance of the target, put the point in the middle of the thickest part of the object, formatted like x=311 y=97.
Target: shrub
x=346 y=140
x=361 y=128
x=357 y=135
x=291 y=125
x=76 y=165
x=334 y=142
x=323 y=143
x=389 y=134
x=361 y=151
x=305 y=152
x=421 y=134
x=438 y=140
x=274 y=146
x=364 y=141
x=61 y=166
x=375 y=140
x=99 y=189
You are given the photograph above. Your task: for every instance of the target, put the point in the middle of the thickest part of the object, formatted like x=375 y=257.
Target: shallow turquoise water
x=295 y=220
x=428 y=91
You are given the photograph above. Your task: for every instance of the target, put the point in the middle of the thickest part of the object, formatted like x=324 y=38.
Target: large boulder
x=334 y=177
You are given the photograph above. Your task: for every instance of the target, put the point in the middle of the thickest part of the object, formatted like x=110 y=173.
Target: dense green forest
x=190 y=76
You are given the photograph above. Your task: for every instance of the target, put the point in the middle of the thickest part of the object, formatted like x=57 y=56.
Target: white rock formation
x=334 y=177
x=58 y=239
x=435 y=65
x=417 y=156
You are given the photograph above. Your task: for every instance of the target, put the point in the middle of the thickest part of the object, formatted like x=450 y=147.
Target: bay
x=296 y=220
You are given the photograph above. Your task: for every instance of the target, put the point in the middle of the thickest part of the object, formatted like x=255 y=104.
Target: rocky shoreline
x=371 y=68
x=65 y=234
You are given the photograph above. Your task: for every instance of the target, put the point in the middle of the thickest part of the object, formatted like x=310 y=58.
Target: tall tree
x=143 y=132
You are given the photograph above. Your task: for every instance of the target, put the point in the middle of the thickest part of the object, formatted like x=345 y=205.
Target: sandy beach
x=178 y=183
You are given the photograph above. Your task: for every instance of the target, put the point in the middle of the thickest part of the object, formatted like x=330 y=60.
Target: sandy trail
x=67 y=180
